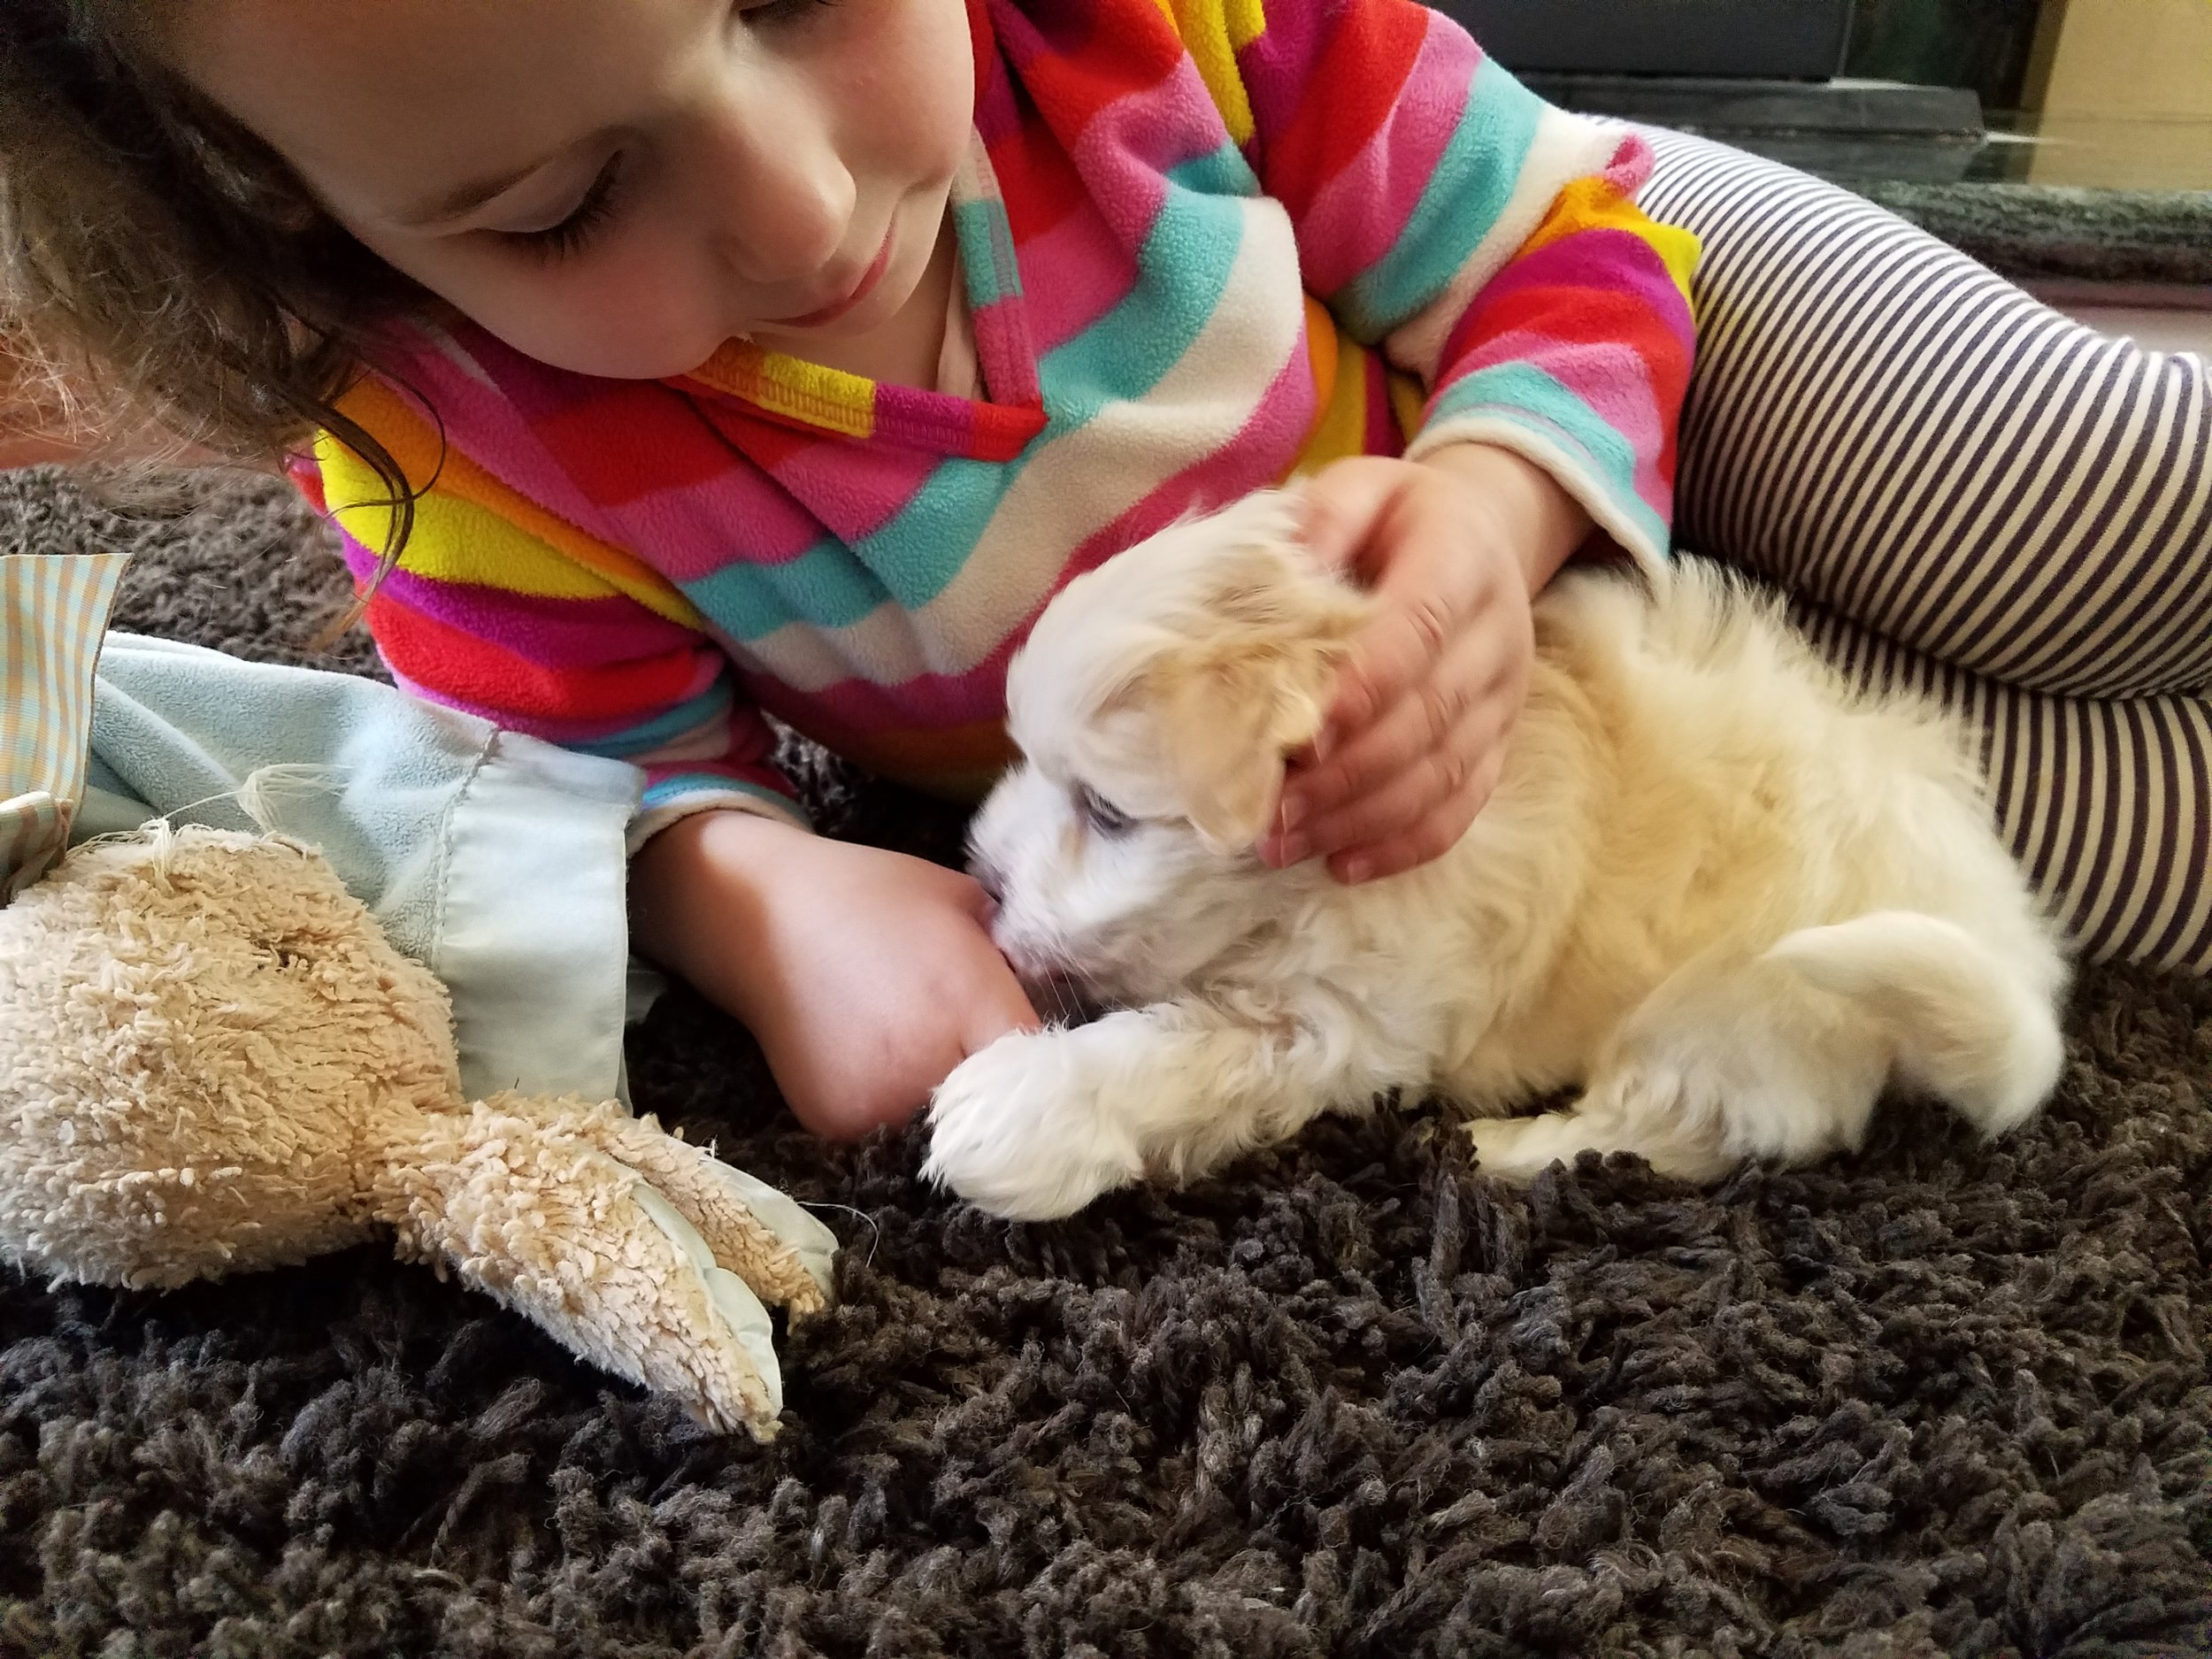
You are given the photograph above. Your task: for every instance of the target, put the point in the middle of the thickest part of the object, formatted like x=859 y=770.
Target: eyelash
x=572 y=233
x=558 y=241
x=1102 y=814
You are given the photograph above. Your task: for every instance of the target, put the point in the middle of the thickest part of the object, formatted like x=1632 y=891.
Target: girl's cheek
x=911 y=78
x=621 y=313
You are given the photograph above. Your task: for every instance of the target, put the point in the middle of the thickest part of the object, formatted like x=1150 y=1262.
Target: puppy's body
x=1724 y=897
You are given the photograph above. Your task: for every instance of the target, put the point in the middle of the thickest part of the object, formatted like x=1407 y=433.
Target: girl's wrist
x=699 y=899
x=1540 y=523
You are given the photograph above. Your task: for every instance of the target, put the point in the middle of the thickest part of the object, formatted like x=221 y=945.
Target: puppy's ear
x=1230 y=711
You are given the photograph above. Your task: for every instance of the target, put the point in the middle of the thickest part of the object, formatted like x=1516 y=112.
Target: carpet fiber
x=2039 y=231
x=1354 y=1398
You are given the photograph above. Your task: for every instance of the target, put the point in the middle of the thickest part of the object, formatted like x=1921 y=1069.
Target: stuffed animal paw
x=211 y=1061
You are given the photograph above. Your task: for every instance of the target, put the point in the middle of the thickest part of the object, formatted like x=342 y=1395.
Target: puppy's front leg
x=1040 y=1123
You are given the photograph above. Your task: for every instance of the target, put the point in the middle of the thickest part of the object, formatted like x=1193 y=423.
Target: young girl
x=702 y=360
x=788 y=355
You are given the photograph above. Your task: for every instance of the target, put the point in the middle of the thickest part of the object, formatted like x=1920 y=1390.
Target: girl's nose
x=779 y=197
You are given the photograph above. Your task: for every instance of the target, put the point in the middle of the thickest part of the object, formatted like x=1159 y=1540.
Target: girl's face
x=616 y=187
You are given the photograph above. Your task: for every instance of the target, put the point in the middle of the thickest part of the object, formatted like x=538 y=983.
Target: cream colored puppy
x=1716 y=892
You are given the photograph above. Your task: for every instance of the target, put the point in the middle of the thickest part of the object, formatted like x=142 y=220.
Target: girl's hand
x=865 y=975
x=1454 y=546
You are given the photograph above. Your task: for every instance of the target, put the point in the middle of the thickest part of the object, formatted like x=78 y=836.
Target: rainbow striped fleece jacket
x=1206 y=247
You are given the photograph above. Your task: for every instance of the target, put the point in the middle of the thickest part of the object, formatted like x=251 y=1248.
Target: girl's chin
x=631 y=367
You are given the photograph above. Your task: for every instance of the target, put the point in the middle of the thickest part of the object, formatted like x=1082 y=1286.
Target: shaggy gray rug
x=1354 y=1398
x=2032 y=231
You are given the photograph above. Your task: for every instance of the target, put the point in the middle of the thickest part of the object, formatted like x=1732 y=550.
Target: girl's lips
x=861 y=289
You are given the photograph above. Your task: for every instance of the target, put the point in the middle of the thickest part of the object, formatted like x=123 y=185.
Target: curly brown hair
x=161 y=265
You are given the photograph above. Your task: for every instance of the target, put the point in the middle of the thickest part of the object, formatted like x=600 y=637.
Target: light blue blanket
x=493 y=858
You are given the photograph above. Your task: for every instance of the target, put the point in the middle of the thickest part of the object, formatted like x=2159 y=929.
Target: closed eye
x=1102 y=814
x=584 y=221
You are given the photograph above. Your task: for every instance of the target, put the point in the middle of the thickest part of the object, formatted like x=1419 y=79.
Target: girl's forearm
x=696 y=901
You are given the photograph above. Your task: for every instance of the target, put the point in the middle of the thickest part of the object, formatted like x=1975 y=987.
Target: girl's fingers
x=1392 y=657
x=1431 y=838
x=1453 y=772
x=1432 y=834
x=1476 y=669
x=1401 y=801
x=1413 y=740
x=1341 y=504
x=1432 y=593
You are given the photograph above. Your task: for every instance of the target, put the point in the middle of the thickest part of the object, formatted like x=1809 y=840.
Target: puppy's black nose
x=988 y=878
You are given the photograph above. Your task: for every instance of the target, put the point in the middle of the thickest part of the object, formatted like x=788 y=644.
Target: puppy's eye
x=1100 y=813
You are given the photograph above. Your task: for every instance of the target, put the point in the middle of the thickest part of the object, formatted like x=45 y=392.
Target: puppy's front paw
x=1511 y=1148
x=1023 y=1128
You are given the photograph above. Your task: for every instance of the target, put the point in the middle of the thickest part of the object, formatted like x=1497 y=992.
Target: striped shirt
x=1204 y=247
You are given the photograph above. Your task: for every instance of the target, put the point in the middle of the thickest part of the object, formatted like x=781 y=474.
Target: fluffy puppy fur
x=1716 y=893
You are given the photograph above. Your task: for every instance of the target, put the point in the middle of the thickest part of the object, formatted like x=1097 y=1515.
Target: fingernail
x=1357 y=870
x=1289 y=814
x=1290 y=849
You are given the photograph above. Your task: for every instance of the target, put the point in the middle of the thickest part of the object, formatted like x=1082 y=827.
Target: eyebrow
x=464 y=199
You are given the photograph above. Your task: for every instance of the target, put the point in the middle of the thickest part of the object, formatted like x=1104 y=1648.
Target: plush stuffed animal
x=211 y=1061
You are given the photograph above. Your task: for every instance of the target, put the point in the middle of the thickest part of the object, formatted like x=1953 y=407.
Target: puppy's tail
x=1970 y=1025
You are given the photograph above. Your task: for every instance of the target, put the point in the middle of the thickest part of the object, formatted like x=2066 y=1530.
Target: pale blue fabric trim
x=707 y=794
x=534 y=941
x=493 y=858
